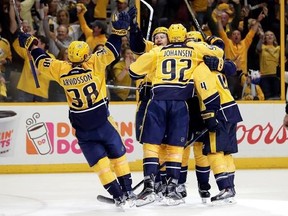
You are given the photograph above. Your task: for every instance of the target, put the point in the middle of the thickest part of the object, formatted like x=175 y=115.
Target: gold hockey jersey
x=171 y=67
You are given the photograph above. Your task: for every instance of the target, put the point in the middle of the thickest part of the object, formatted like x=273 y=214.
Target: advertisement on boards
x=42 y=134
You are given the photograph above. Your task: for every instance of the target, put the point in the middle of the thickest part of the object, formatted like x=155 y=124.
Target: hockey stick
x=198 y=27
x=150 y=18
x=32 y=66
x=121 y=87
x=109 y=200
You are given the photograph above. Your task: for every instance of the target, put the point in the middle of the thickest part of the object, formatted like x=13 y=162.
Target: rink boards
x=39 y=138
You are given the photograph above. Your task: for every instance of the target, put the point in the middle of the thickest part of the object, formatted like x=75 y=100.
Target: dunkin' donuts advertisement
x=42 y=134
x=8 y=132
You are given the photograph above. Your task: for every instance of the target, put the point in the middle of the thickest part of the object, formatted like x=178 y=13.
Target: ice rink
x=259 y=192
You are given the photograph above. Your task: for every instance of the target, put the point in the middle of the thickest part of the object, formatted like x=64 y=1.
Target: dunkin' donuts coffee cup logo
x=8 y=128
x=38 y=136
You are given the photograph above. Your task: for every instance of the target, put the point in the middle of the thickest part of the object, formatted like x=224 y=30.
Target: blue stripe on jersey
x=104 y=101
x=229 y=112
x=39 y=54
x=135 y=76
x=212 y=102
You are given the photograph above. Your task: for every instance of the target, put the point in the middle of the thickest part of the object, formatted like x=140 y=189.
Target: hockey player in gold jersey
x=140 y=46
x=83 y=79
x=170 y=68
x=220 y=142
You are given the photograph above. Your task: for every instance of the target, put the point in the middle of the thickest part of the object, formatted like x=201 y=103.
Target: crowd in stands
x=249 y=28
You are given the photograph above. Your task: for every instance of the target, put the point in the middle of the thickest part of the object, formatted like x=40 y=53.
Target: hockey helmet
x=195 y=36
x=177 y=33
x=78 y=51
x=158 y=30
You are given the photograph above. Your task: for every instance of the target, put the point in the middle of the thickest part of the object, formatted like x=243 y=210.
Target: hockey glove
x=216 y=41
x=121 y=24
x=133 y=19
x=210 y=120
x=27 y=41
x=214 y=63
x=230 y=68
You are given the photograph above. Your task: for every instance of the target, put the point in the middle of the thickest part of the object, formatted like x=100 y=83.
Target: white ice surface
x=259 y=192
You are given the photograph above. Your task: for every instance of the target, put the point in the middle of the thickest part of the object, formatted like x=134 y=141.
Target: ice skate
x=120 y=203
x=205 y=195
x=203 y=190
x=147 y=195
x=160 y=189
x=172 y=196
x=226 y=196
x=181 y=189
x=130 y=198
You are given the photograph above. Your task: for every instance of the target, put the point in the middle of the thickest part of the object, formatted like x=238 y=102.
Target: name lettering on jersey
x=203 y=85
x=177 y=52
x=77 y=80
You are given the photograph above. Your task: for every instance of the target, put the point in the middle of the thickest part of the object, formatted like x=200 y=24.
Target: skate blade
x=146 y=201
x=159 y=197
x=205 y=200
x=172 y=202
x=131 y=202
x=227 y=201
x=121 y=207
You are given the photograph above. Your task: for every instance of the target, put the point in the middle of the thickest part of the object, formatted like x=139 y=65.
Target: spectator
x=251 y=89
x=25 y=12
x=27 y=90
x=100 y=10
x=89 y=15
x=121 y=77
x=248 y=22
x=60 y=39
x=121 y=5
x=269 y=52
x=200 y=9
x=5 y=60
x=125 y=42
x=236 y=49
x=62 y=18
x=5 y=56
x=56 y=92
x=96 y=35
x=224 y=10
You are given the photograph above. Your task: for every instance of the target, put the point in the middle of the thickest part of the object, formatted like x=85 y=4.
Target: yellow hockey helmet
x=78 y=51
x=158 y=30
x=195 y=36
x=177 y=33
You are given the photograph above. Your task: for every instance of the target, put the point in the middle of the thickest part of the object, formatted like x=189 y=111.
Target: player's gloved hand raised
x=120 y=24
x=216 y=41
x=210 y=120
x=214 y=63
x=133 y=19
x=27 y=41
x=133 y=14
